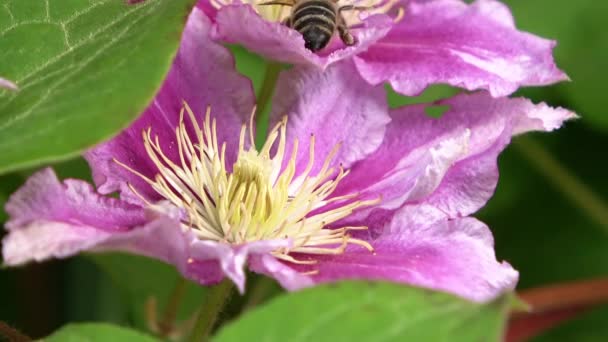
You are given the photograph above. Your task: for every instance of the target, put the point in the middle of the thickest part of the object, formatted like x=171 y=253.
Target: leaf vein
x=23 y=80
x=10 y=13
x=21 y=116
x=48 y=10
x=78 y=14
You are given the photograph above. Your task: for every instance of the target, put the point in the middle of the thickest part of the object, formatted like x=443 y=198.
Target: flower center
x=258 y=199
x=279 y=10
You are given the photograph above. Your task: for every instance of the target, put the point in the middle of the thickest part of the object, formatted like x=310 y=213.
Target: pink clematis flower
x=6 y=84
x=342 y=189
x=407 y=43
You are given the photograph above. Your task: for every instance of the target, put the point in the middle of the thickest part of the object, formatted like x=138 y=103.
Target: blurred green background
x=547 y=215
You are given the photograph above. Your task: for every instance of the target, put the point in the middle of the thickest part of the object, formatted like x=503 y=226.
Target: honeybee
x=317 y=21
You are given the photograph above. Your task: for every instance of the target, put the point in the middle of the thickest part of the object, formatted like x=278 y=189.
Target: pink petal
x=449 y=162
x=206 y=262
x=288 y=277
x=472 y=46
x=471 y=182
x=203 y=73
x=455 y=256
x=42 y=240
x=240 y=24
x=160 y=238
x=45 y=198
x=51 y=219
x=230 y=259
x=6 y=84
x=335 y=105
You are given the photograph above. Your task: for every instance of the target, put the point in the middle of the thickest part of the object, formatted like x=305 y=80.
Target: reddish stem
x=555 y=304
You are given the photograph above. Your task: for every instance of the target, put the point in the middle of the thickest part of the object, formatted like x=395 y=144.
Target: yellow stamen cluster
x=259 y=199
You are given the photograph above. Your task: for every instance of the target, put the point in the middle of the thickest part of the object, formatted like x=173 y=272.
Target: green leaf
x=93 y=332
x=370 y=312
x=140 y=279
x=85 y=69
x=432 y=93
x=250 y=65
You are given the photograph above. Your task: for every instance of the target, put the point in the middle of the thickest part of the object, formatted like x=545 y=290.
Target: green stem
x=260 y=292
x=261 y=113
x=167 y=323
x=574 y=189
x=216 y=298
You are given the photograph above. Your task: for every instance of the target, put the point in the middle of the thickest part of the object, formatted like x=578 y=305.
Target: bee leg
x=343 y=31
x=346 y=36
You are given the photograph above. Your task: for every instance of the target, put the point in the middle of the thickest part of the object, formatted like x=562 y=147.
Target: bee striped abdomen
x=316 y=21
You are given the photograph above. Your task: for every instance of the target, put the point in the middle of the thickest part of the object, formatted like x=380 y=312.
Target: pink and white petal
x=451 y=161
x=165 y=238
x=455 y=256
x=6 y=84
x=160 y=238
x=53 y=219
x=43 y=198
x=206 y=262
x=232 y=259
x=336 y=106
x=288 y=277
x=50 y=219
x=471 y=182
x=240 y=24
x=207 y=272
x=203 y=73
x=41 y=240
x=473 y=46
